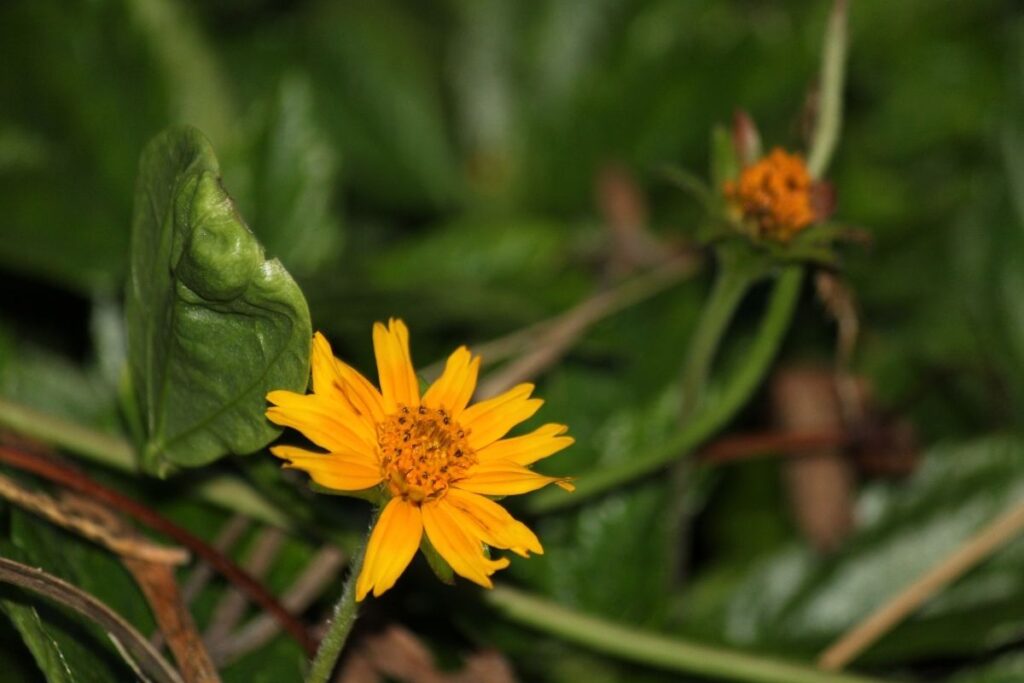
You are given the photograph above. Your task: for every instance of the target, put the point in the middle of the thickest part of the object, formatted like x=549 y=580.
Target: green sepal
x=725 y=165
x=442 y=570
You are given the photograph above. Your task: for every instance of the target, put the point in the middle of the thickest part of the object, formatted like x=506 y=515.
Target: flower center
x=775 y=194
x=422 y=451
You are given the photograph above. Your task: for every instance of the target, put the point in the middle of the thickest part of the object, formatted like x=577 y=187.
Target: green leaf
x=281 y=660
x=212 y=325
x=69 y=140
x=624 y=538
x=66 y=648
x=376 y=71
x=286 y=180
x=724 y=163
x=1007 y=669
x=796 y=600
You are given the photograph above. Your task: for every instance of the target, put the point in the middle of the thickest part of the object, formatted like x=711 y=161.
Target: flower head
x=775 y=195
x=434 y=458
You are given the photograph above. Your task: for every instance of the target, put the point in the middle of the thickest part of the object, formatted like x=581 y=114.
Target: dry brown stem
x=49 y=468
x=971 y=553
x=66 y=514
x=161 y=590
x=542 y=345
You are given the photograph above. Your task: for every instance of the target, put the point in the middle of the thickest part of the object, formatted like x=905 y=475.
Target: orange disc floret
x=775 y=195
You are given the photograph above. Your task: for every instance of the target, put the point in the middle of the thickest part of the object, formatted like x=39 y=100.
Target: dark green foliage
x=442 y=162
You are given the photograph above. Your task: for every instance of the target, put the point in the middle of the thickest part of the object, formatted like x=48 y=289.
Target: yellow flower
x=775 y=194
x=435 y=459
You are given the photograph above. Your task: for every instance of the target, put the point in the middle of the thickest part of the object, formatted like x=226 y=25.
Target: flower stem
x=830 y=98
x=705 y=422
x=344 y=617
x=650 y=649
x=731 y=285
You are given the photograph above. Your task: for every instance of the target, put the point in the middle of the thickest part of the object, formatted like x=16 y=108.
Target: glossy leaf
x=212 y=324
x=797 y=600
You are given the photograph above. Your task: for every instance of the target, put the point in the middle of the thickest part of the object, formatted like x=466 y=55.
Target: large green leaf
x=799 y=601
x=212 y=325
x=1007 y=669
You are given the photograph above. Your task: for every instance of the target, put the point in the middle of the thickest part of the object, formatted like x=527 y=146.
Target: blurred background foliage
x=442 y=162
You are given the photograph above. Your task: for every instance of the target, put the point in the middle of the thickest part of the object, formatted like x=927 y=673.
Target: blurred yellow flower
x=434 y=459
x=775 y=194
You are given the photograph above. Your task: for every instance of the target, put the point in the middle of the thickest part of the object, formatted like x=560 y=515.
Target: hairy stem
x=344 y=617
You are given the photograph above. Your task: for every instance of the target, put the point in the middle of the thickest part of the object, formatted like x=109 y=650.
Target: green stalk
x=651 y=649
x=830 y=97
x=731 y=285
x=106 y=449
x=344 y=617
x=707 y=421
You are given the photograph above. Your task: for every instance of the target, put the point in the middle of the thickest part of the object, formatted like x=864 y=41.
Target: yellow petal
x=392 y=545
x=505 y=478
x=361 y=392
x=456 y=385
x=529 y=448
x=461 y=550
x=394 y=365
x=340 y=471
x=491 y=523
x=329 y=385
x=326 y=380
x=490 y=420
x=330 y=425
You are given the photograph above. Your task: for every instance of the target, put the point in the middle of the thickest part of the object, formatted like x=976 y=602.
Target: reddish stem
x=746 y=446
x=68 y=477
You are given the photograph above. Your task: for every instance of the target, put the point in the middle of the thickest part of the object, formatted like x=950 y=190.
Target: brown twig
x=151 y=566
x=160 y=587
x=746 y=446
x=69 y=516
x=203 y=572
x=971 y=553
x=586 y=313
x=820 y=488
x=124 y=635
x=76 y=481
x=546 y=342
